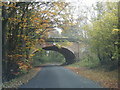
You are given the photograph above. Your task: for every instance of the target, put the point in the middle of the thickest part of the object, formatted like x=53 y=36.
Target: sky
x=88 y=2
x=78 y=4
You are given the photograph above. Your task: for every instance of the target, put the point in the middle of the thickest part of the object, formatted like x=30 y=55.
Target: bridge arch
x=69 y=55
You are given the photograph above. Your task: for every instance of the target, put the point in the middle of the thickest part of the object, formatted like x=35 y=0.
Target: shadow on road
x=50 y=65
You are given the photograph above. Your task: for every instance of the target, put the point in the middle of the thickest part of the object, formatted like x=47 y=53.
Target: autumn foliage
x=26 y=24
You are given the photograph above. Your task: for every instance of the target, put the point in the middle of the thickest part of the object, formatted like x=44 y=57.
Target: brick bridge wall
x=74 y=48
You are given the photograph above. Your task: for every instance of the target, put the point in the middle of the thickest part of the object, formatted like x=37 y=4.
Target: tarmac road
x=52 y=76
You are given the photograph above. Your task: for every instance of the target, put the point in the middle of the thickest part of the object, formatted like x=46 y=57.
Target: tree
x=102 y=34
x=26 y=24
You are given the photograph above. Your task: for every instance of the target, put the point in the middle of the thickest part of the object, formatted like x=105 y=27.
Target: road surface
x=59 y=77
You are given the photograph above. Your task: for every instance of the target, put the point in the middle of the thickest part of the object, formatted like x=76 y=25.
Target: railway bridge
x=70 y=52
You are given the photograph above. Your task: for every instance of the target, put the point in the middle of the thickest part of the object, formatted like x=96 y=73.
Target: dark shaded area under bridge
x=69 y=56
x=62 y=40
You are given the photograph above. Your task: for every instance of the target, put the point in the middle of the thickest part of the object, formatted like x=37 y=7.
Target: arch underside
x=69 y=55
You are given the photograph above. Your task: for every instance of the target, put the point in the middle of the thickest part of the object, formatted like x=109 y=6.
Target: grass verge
x=107 y=79
x=15 y=83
